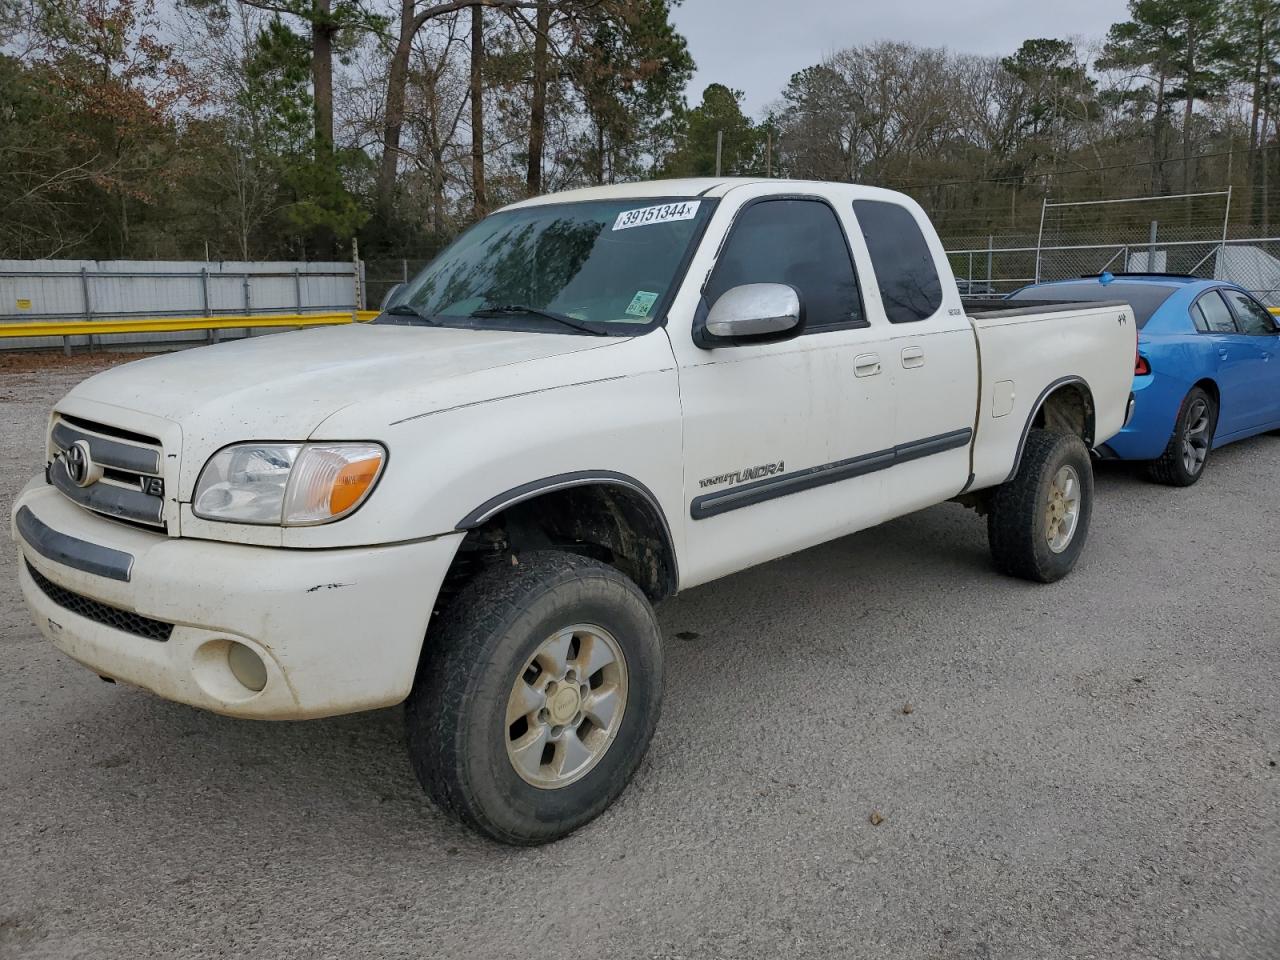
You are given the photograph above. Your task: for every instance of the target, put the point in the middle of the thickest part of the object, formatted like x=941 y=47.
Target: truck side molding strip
x=71 y=551
x=785 y=484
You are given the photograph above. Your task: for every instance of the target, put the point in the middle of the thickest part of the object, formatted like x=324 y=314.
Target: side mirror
x=754 y=311
x=391 y=296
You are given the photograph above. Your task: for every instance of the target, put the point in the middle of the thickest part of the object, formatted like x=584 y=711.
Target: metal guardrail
x=121 y=302
x=73 y=328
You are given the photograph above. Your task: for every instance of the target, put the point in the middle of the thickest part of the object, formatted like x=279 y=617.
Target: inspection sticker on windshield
x=662 y=213
x=641 y=303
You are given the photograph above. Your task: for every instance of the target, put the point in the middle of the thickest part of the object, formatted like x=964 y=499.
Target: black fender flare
x=578 y=478
x=1035 y=411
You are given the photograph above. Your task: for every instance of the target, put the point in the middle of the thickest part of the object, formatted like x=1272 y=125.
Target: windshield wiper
x=406 y=309
x=515 y=309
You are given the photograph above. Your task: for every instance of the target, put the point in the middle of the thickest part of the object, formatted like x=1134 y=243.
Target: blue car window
x=1145 y=297
x=1252 y=317
x=1216 y=313
x=1199 y=319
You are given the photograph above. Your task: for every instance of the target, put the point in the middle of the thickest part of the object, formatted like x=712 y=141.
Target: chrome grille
x=124 y=473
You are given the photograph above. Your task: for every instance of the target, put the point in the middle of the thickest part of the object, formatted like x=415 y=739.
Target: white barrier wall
x=114 y=289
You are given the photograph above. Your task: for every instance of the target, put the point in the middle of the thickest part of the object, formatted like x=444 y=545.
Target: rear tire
x=1039 y=520
x=1184 y=459
x=536 y=697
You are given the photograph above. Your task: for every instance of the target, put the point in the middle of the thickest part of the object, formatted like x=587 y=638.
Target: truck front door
x=784 y=442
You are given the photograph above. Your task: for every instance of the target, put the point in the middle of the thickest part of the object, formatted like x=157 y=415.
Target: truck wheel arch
x=1064 y=406
x=602 y=514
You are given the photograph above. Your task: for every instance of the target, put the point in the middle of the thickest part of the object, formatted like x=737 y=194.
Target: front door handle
x=912 y=357
x=866 y=365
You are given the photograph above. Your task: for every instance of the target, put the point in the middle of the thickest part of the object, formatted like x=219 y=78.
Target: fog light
x=247 y=666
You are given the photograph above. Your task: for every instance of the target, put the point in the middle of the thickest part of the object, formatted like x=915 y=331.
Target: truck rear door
x=931 y=356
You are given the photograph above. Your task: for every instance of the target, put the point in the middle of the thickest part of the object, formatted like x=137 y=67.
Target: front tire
x=1039 y=520
x=1183 y=460
x=536 y=697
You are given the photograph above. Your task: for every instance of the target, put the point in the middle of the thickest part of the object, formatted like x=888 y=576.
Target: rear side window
x=905 y=272
x=1199 y=319
x=1252 y=316
x=796 y=242
x=1217 y=317
x=1145 y=298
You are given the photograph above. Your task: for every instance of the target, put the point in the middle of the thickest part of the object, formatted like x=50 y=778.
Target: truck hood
x=283 y=386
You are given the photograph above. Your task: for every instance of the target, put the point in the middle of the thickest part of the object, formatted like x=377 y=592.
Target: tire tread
x=1016 y=510
x=444 y=690
x=1167 y=468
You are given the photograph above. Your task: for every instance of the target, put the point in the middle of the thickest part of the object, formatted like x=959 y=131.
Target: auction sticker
x=662 y=213
x=641 y=303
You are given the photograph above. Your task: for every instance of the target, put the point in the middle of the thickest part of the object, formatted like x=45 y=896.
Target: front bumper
x=337 y=630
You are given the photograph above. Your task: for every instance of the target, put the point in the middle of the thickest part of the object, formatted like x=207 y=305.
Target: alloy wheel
x=1195 y=439
x=566 y=706
x=1062 y=508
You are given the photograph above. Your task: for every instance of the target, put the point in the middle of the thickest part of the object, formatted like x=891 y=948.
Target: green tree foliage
x=631 y=67
x=720 y=112
x=816 y=122
x=289 y=128
x=1180 y=47
x=92 y=111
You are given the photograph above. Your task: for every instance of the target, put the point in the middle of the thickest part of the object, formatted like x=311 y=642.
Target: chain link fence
x=383 y=273
x=997 y=270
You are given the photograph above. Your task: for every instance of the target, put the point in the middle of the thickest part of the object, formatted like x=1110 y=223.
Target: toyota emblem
x=80 y=465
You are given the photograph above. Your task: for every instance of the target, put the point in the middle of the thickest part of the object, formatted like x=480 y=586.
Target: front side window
x=796 y=242
x=909 y=285
x=1252 y=316
x=608 y=264
x=1217 y=317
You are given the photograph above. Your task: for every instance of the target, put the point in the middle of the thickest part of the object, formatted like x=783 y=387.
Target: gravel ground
x=1085 y=770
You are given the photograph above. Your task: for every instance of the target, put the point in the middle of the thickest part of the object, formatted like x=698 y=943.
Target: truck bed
x=988 y=307
x=1028 y=348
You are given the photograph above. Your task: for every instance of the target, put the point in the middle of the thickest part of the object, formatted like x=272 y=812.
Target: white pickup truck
x=588 y=402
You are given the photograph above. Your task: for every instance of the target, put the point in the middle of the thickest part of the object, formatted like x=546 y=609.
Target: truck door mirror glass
x=391 y=296
x=755 y=311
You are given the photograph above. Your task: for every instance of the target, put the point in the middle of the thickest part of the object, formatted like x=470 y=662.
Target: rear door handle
x=866 y=365
x=912 y=357
x=1222 y=352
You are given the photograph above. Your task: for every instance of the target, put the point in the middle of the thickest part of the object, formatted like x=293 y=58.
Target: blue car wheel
x=1183 y=460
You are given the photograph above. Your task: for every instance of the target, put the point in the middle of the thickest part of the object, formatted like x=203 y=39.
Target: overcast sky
x=756 y=45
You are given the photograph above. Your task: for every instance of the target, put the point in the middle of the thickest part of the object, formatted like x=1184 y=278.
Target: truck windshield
x=602 y=266
x=1145 y=297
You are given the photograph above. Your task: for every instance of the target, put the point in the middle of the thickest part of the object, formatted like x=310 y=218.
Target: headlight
x=289 y=484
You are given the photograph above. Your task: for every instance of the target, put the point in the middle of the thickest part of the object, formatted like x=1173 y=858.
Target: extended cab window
x=1252 y=316
x=909 y=284
x=797 y=242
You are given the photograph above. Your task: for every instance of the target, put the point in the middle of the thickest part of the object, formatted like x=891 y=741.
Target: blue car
x=1207 y=371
